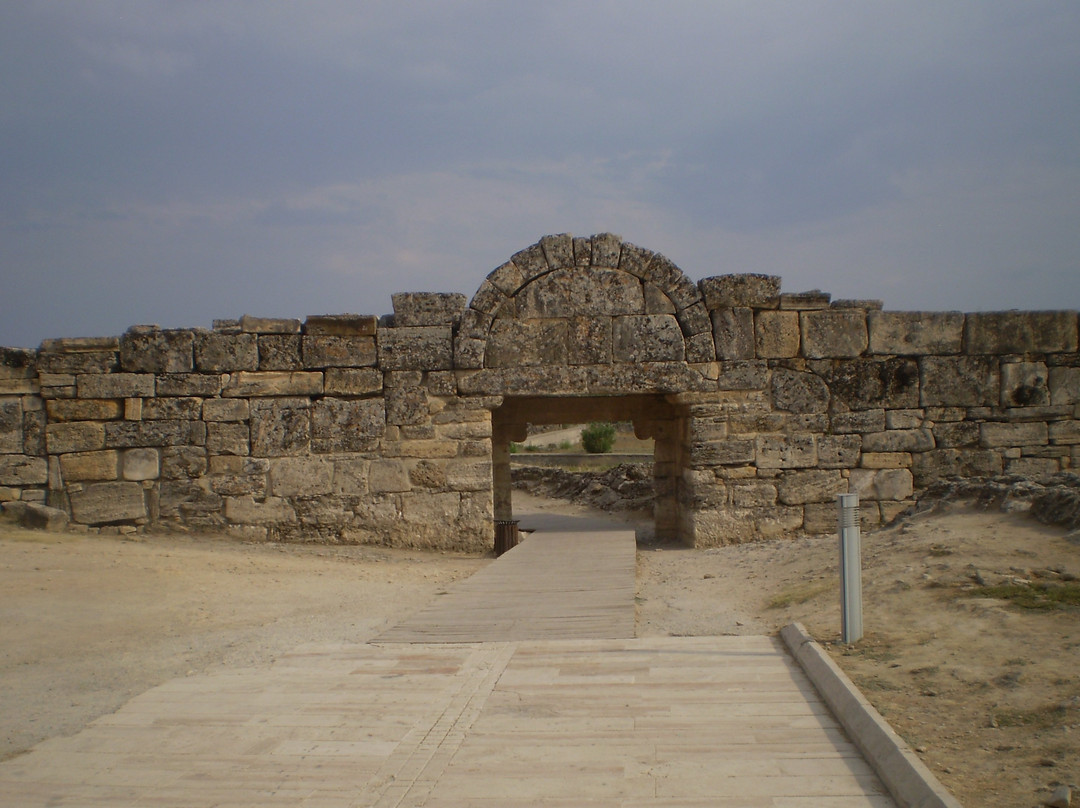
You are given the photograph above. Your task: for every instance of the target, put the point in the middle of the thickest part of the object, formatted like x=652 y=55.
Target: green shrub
x=598 y=438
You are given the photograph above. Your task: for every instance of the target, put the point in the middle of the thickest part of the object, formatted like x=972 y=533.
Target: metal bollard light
x=851 y=627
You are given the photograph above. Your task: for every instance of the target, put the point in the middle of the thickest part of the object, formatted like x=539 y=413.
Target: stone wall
x=764 y=405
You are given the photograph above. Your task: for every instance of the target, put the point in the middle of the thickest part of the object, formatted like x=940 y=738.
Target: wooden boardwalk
x=566 y=585
x=482 y=711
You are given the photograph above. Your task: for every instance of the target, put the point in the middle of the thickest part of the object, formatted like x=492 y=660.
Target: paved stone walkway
x=690 y=721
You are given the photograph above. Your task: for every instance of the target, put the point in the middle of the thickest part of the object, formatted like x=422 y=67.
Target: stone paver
x=520 y=715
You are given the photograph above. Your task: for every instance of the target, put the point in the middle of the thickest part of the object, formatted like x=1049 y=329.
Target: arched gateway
x=763 y=405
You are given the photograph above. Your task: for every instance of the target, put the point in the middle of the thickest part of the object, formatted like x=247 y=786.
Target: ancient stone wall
x=764 y=405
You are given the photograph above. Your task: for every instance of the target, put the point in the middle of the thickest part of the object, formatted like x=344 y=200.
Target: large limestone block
x=916 y=333
x=1024 y=384
x=996 y=435
x=407 y=406
x=141 y=464
x=558 y=250
x=269 y=325
x=102 y=503
x=11 y=426
x=786 y=451
x=227 y=438
x=730 y=452
x=863 y=384
x=776 y=334
x=941 y=464
x=1019 y=332
x=811 y=485
x=589 y=341
x=280 y=427
x=186 y=408
x=1064 y=385
x=1065 y=433
x=132 y=434
x=469 y=476
x=647 y=338
x=859 y=422
x=116 y=385
x=201 y=385
x=341 y=425
x=833 y=333
x=838 y=451
x=84 y=409
x=79 y=362
x=341 y=325
x=899 y=440
x=84 y=466
x=388 y=476
x=330 y=351
x=961 y=381
x=245 y=384
x=351 y=476
x=216 y=352
x=280 y=352
x=225 y=409
x=157 y=351
x=413 y=309
x=75 y=436
x=437 y=510
x=183 y=462
x=545 y=297
x=733 y=333
x=301 y=476
x=353 y=381
x=517 y=343
x=734 y=291
x=247 y=510
x=16 y=469
x=797 y=392
x=421 y=348
x=882 y=484
x=603 y=292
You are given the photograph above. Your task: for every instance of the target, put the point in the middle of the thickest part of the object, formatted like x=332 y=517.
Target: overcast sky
x=180 y=162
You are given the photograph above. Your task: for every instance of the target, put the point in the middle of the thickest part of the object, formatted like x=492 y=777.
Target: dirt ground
x=986 y=691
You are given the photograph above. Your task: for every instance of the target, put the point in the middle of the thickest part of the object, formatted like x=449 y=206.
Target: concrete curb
x=909 y=782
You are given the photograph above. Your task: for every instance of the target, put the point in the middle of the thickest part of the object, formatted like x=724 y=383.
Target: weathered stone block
x=388 y=476
x=34 y=432
x=1024 y=384
x=838 y=451
x=141 y=464
x=733 y=333
x=735 y=291
x=753 y=494
x=172 y=409
x=202 y=385
x=226 y=438
x=326 y=352
x=280 y=427
x=79 y=362
x=407 y=406
x=157 y=352
x=268 y=325
x=11 y=426
x=1033 y=468
x=489 y=299
x=941 y=464
x=647 y=338
x=805 y=301
x=413 y=309
x=731 y=452
x=833 y=333
x=1065 y=385
x=953 y=435
x=340 y=425
x=776 y=334
x=280 y=352
x=589 y=341
x=245 y=384
x=353 y=382
x=868 y=384
x=899 y=440
x=812 y=485
x=21 y=470
x=116 y=385
x=83 y=409
x=83 y=466
x=994 y=435
x=798 y=392
x=904 y=419
x=462 y=477
x=427 y=509
x=1019 y=332
x=785 y=451
x=217 y=352
x=250 y=511
x=701 y=350
x=421 y=348
x=341 y=325
x=962 y=381
x=1065 y=433
x=916 y=333
x=301 y=476
x=517 y=343
x=183 y=462
x=885 y=460
x=42 y=517
x=225 y=409
x=132 y=434
x=74 y=436
x=103 y=503
x=878 y=484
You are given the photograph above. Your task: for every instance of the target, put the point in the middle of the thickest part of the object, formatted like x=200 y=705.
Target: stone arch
x=582 y=312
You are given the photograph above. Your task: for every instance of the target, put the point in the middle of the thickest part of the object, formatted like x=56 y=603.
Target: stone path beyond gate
x=507 y=691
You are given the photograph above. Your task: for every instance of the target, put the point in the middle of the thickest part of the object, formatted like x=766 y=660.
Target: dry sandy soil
x=986 y=691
